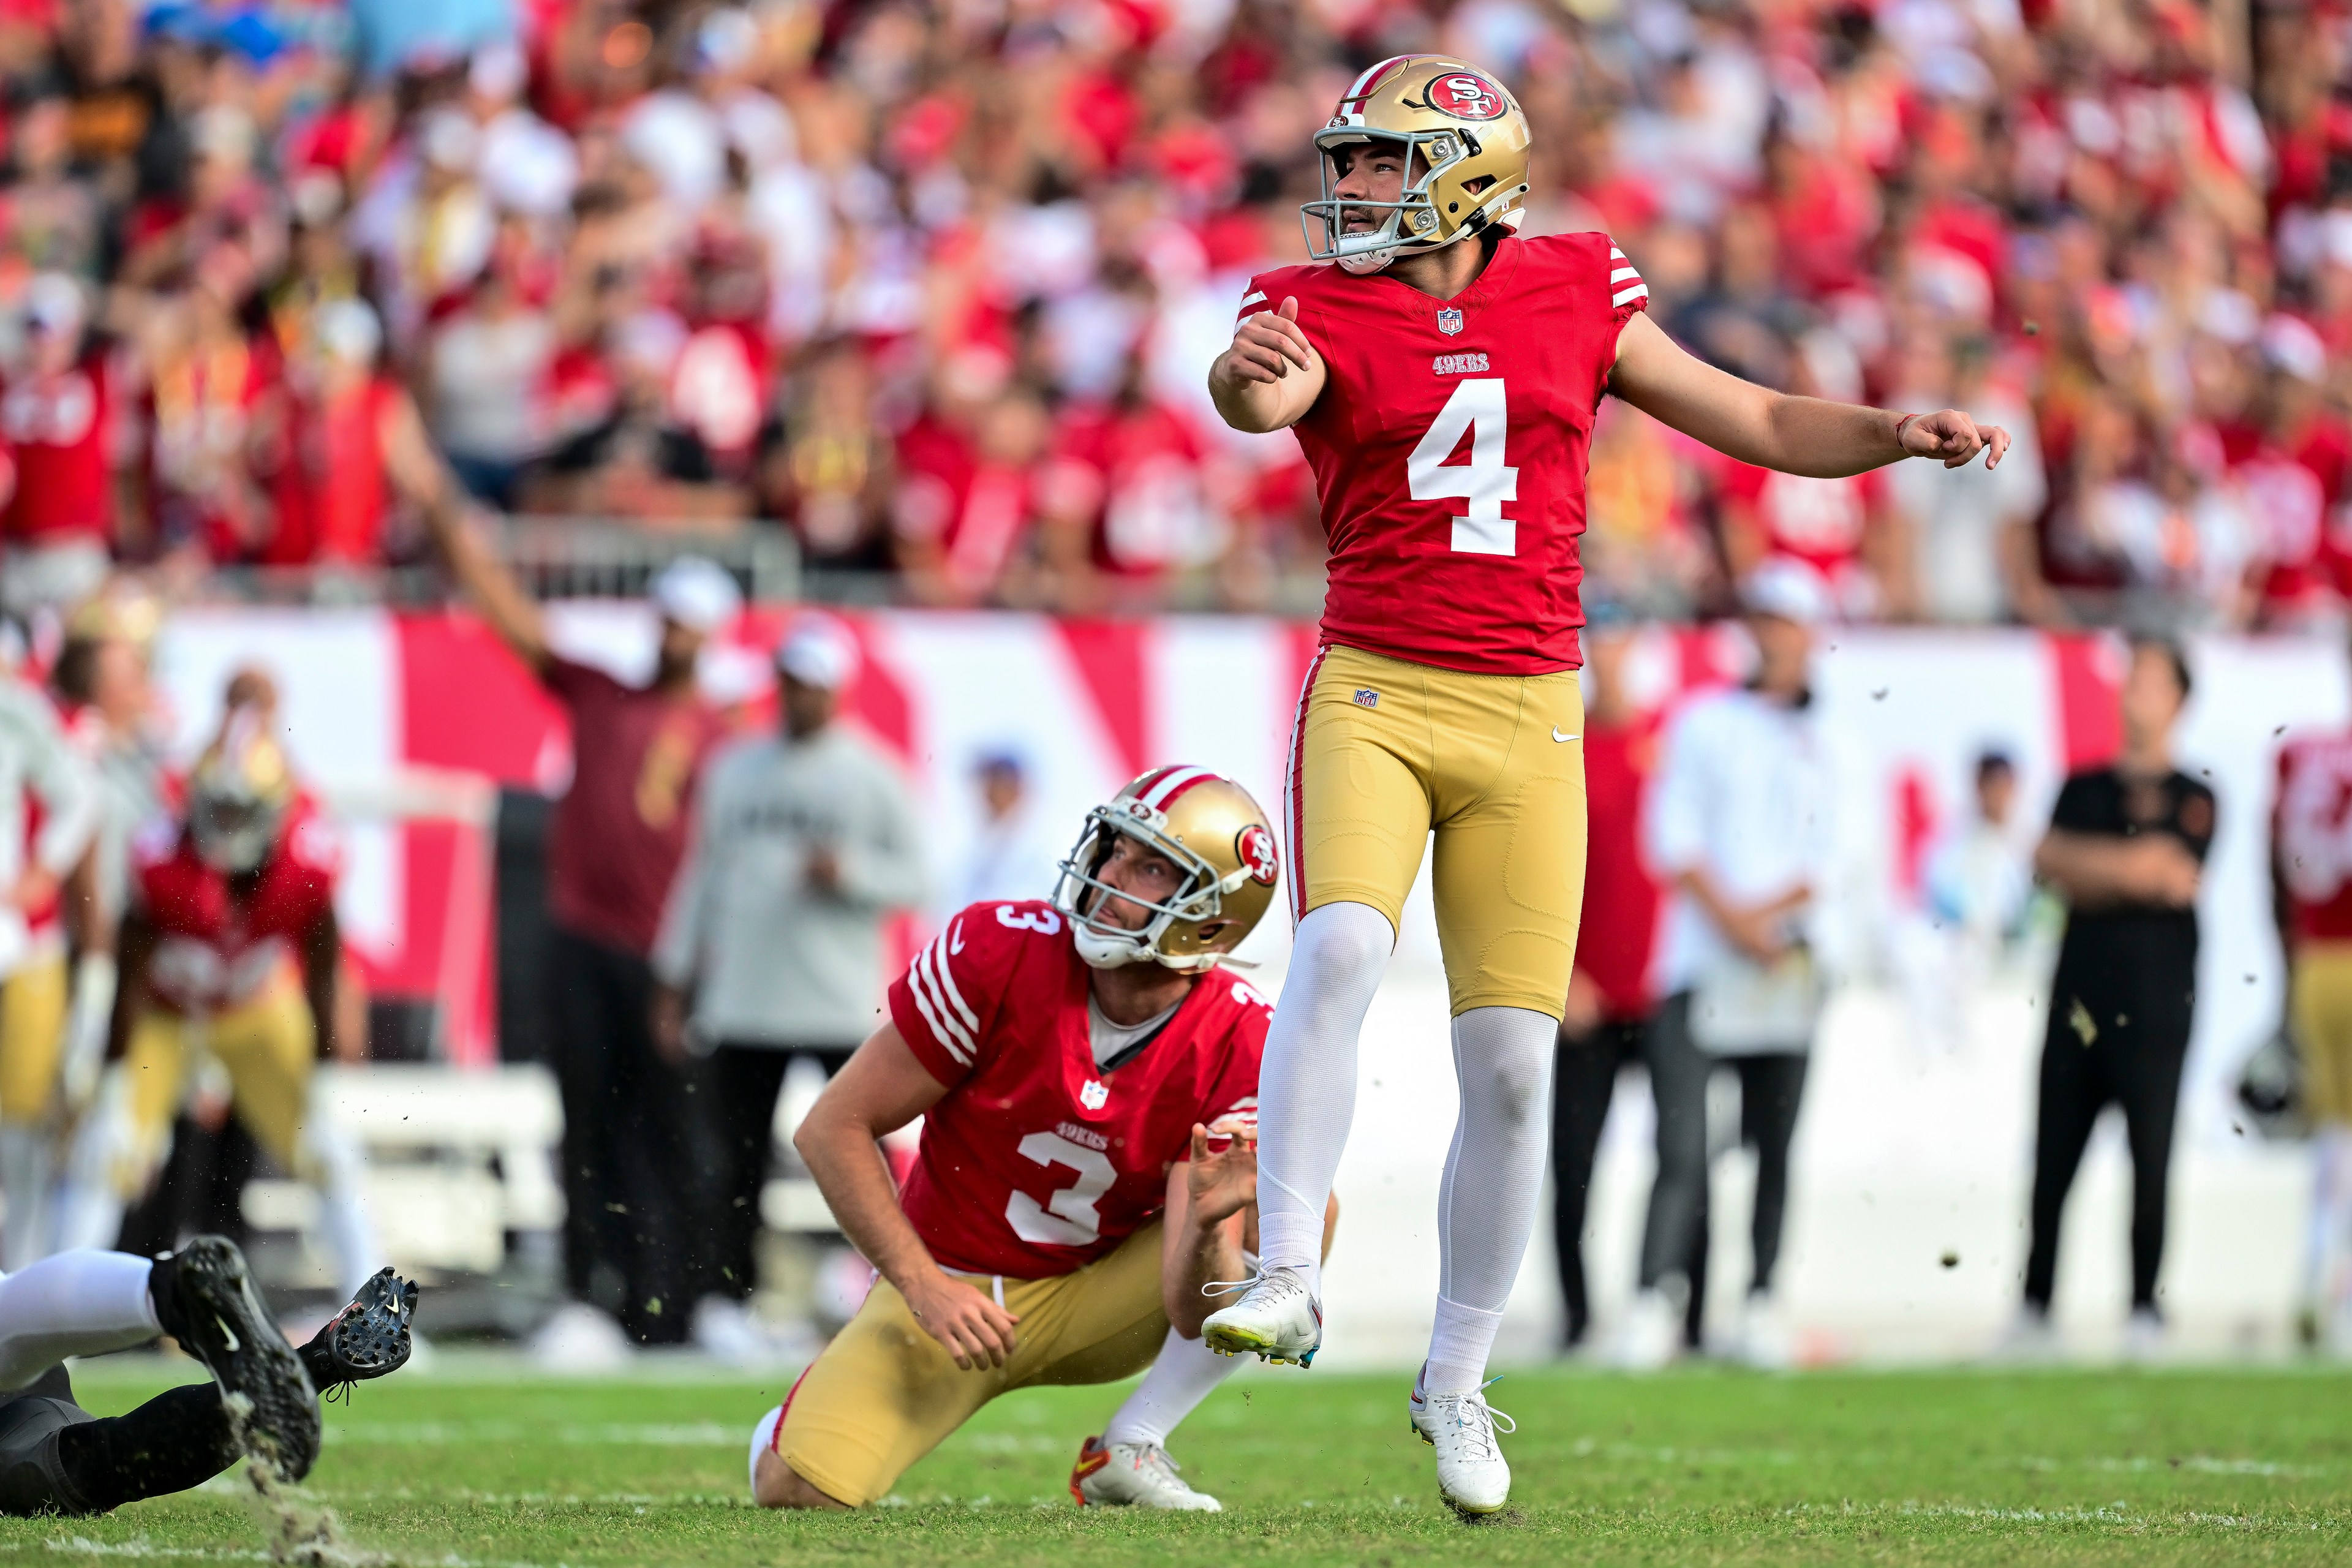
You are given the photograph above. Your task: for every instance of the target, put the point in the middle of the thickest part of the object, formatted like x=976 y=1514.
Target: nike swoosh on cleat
x=1557 y=736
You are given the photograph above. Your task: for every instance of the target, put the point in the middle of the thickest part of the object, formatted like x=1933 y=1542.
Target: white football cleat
x=1276 y=1319
x=1134 y=1475
x=1473 y=1477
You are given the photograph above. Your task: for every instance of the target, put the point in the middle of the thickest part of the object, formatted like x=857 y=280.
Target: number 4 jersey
x=1449 y=446
x=1038 y=1162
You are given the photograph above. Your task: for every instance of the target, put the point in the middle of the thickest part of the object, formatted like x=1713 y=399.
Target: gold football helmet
x=1218 y=839
x=239 y=795
x=1456 y=127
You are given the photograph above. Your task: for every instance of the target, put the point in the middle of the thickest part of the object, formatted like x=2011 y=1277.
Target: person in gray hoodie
x=773 y=945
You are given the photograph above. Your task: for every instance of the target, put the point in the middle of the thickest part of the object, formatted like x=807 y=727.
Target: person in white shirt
x=772 y=944
x=1007 y=859
x=1735 y=832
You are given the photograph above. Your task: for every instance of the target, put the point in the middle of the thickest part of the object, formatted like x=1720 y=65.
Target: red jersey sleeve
x=945 y=1004
x=1627 y=292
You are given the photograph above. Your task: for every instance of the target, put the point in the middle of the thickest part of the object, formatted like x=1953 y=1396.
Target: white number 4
x=1483 y=481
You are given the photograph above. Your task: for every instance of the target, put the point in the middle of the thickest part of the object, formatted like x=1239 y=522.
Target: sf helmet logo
x=1466 y=96
x=1255 y=845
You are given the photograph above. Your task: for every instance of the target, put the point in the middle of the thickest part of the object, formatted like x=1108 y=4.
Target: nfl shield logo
x=1449 y=320
x=1094 y=1095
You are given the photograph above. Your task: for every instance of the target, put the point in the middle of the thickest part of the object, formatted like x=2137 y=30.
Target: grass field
x=1701 y=1466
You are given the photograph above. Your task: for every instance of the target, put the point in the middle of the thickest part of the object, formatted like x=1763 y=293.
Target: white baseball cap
x=696 y=593
x=819 y=651
x=1789 y=589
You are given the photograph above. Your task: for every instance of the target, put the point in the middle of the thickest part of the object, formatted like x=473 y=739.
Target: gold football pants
x=1386 y=752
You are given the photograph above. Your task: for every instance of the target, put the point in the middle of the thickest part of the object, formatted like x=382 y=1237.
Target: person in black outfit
x=2125 y=850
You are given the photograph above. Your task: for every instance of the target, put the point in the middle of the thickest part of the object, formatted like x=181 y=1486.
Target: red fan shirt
x=58 y=426
x=1449 y=446
x=213 y=951
x=2311 y=832
x=1037 y=1163
x=1821 y=522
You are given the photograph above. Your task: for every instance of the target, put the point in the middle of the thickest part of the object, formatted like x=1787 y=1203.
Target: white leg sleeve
x=76 y=1303
x=2328 y=1280
x=100 y=1165
x=25 y=1179
x=344 y=1229
x=1187 y=1373
x=1486 y=1203
x=1307 y=1088
x=763 y=1437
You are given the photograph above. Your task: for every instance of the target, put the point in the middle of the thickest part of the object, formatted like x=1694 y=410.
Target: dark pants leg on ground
x=56 y=1458
x=745 y=1079
x=1771 y=1087
x=1584 y=1081
x=1678 y=1075
x=2133 y=1058
x=629 y=1170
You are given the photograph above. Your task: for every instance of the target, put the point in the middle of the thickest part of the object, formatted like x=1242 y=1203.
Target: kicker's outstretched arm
x=1773 y=430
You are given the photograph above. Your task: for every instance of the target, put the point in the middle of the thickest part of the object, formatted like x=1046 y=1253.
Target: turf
x=1701 y=1466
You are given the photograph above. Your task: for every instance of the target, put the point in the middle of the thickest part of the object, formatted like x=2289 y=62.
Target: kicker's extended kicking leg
x=1307 y=1098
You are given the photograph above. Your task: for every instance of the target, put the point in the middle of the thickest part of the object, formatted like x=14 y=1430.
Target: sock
x=76 y=1303
x=347 y=1233
x=178 y=1439
x=1187 y=1373
x=1494 y=1171
x=25 y=1177
x=2328 y=1280
x=1307 y=1085
x=763 y=1437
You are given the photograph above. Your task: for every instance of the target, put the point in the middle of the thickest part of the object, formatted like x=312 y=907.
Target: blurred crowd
x=932 y=284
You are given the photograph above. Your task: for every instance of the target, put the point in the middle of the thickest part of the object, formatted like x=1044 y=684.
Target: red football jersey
x=1449 y=446
x=1037 y=1163
x=2312 y=832
x=59 y=427
x=211 y=951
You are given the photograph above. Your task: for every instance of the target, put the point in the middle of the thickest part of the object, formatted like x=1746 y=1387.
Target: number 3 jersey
x=1449 y=446
x=1038 y=1162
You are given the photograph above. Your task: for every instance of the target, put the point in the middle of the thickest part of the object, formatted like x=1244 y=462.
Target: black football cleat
x=368 y=1339
x=221 y=1322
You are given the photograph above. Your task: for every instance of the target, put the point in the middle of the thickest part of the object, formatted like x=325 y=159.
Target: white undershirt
x=1108 y=1038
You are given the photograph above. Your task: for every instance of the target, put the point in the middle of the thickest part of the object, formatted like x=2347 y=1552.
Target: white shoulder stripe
x=1615 y=254
x=1255 y=297
x=1627 y=296
x=931 y=1017
x=948 y=985
x=945 y=1029
x=1625 y=275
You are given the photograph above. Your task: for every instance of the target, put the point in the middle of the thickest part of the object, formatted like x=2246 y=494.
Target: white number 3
x=1044 y=922
x=1484 y=482
x=1068 y=1217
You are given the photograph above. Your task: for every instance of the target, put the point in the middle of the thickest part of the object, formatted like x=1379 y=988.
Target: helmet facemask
x=1412 y=222
x=1081 y=891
